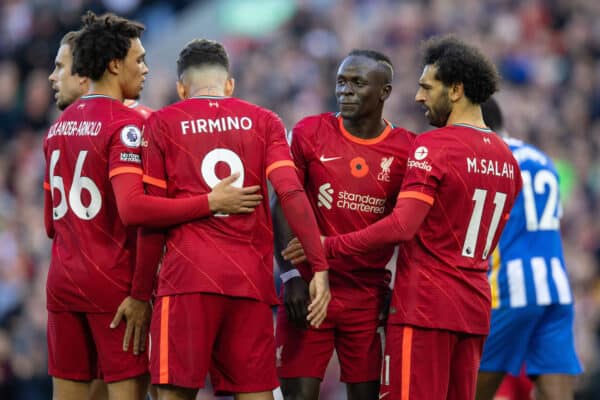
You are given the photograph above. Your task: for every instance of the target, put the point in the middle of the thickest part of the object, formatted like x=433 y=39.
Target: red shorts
x=353 y=333
x=83 y=347
x=232 y=338
x=515 y=388
x=429 y=364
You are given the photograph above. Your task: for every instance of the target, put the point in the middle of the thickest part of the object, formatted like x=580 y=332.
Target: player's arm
x=400 y=225
x=137 y=208
x=412 y=206
x=135 y=308
x=297 y=211
x=48 y=218
x=296 y=295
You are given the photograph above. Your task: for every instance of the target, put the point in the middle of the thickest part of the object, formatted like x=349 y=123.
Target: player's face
x=134 y=70
x=360 y=87
x=68 y=86
x=433 y=95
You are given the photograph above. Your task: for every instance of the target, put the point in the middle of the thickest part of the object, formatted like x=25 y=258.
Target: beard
x=62 y=105
x=440 y=111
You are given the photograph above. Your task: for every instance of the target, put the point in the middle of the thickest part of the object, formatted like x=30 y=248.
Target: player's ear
x=84 y=83
x=456 y=92
x=181 y=92
x=229 y=86
x=114 y=66
x=385 y=92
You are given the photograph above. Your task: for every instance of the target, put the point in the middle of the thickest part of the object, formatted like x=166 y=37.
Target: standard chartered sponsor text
x=360 y=202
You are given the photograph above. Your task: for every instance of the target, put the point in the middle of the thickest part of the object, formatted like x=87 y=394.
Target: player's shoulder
x=309 y=126
x=261 y=115
x=135 y=105
x=433 y=137
x=241 y=104
x=122 y=113
x=403 y=134
x=529 y=156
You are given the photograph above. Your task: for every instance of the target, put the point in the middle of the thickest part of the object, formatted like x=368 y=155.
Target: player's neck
x=107 y=88
x=467 y=114
x=207 y=90
x=365 y=128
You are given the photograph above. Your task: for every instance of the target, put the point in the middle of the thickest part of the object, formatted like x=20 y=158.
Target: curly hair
x=381 y=58
x=492 y=115
x=200 y=52
x=102 y=39
x=458 y=62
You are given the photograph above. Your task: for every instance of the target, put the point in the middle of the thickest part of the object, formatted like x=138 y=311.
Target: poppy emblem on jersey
x=386 y=165
x=359 y=167
x=421 y=152
x=131 y=136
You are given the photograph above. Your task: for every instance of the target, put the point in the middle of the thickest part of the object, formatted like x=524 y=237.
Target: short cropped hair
x=69 y=39
x=200 y=52
x=102 y=39
x=458 y=62
x=381 y=58
x=492 y=115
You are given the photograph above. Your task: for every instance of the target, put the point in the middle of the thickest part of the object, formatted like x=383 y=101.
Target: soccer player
x=351 y=164
x=67 y=85
x=532 y=303
x=460 y=184
x=215 y=285
x=92 y=255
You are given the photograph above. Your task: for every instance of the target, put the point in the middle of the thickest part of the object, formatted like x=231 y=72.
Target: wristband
x=287 y=275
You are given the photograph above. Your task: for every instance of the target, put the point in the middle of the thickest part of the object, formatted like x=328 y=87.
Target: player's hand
x=228 y=199
x=295 y=300
x=294 y=252
x=320 y=297
x=137 y=313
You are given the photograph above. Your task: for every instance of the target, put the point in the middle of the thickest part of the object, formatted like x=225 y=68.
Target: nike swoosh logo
x=325 y=159
x=381 y=396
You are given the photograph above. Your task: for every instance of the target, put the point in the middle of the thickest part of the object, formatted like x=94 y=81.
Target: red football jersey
x=143 y=110
x=93 y=254
x=351 y=183
x=191 y=146
x=471 y=179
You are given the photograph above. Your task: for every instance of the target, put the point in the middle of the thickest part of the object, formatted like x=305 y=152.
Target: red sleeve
x=150 y=245
x=400 y=225
x=137 y=208
x=298 y=154
x=48 y=220
x=125 y=147
x=299 y=215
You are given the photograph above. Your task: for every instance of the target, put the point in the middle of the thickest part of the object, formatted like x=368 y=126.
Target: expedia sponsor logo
x=419 y=164
x=350 y=201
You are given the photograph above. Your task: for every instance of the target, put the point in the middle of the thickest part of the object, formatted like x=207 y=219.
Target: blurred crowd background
x=285 y=55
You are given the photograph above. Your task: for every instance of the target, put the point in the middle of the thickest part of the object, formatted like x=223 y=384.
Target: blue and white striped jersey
x=528 y=266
